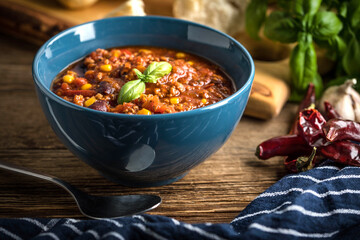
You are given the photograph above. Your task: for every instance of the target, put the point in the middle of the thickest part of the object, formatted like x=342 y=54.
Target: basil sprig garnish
x=133 y=89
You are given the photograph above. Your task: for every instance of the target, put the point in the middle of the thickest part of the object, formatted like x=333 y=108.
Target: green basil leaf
x=302 y=7
x=131 y=90
x=351 y=58
x=156 y=70
x=304 y=38
x=279 y=26
x=318 y=84
x=325 y=25
x=354 y=14
x=255 y=16
x=303 y=66
x=335 y=46
x=139 y=74
x=298 y=95
x=150 y=78
x=343 y=9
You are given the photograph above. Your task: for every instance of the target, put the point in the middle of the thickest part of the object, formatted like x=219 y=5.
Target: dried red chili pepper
x=309 y=98
x=310 y=125
x=344 y=152
x=312 y=139
x=302 y=162
x=282 y=146
x=330 y=111
x=307 y=101
x=337 y=130
x=290 y=163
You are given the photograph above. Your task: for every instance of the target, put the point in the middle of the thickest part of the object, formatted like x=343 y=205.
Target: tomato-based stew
x=142 y=80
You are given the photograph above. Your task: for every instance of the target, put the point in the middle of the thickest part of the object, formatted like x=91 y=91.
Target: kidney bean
x=99 y=105
x=105 y=88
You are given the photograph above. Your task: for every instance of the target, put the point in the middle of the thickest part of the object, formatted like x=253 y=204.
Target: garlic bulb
x=345 y=100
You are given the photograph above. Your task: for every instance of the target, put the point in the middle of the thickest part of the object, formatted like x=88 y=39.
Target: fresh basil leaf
x=302 y=7
x=318 y=84
x=351 y=58
x=325 y=25
x=303 y=66
x=255 y=16
x=131 y=90
x=354 y=14
x=279 y=26
x=156 y=70
x=150 y=78
x=335 y=46
x=304 y=38
x=343 y=9
x=139 y=74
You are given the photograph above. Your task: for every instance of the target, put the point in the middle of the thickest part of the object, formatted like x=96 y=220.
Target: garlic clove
x=344 y=106
x=345 y=100
x=357 y=111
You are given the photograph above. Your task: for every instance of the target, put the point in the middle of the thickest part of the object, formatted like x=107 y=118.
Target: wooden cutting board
x=37 y=20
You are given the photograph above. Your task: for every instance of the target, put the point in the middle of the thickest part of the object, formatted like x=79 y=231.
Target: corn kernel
x=180 y=55
x=174 y=100
x=146 y=51
x=190 y=63
x=144 y=111
x=116 y=53
x=86 y=86
x=106 y=68
x=89 y=102
x=68 y=78
x=204 y=101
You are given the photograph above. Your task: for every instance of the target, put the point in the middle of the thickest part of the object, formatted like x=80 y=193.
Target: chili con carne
x=96 y=81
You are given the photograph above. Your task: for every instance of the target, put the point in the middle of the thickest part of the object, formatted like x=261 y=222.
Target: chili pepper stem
x=306 y=163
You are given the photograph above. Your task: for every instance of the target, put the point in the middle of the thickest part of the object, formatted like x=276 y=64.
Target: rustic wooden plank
x=196 y=198
x=14 y=51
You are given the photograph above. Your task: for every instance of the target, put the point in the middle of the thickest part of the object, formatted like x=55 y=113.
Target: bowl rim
x=193 y=112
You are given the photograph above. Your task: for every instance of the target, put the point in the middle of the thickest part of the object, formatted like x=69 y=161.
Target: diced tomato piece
x=127 y=52
x=65 y=86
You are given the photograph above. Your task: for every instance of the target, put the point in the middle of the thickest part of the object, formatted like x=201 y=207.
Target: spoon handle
x=13 y=168
x=17 y=169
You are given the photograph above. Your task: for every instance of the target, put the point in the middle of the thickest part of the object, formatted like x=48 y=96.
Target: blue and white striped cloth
x=323 y=203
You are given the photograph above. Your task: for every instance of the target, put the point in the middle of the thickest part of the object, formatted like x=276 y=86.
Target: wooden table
x=215 y=191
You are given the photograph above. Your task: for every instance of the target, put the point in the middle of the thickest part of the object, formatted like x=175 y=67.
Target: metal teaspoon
x=96 y=206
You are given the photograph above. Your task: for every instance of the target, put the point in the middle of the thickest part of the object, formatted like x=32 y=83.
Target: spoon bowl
x=96 y=207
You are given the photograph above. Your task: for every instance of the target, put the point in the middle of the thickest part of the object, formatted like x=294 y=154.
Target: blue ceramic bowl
x=137 y=150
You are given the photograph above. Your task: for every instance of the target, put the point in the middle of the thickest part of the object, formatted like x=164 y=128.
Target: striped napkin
x=323 y=203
